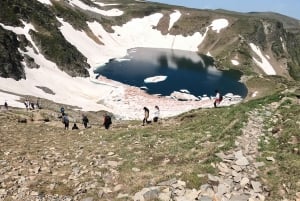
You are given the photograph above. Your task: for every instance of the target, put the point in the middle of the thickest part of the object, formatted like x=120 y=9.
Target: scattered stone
x=205 y=198
x=259 y=164
x=242 y=161
x=88 y=199
x=256 y=186
x=213 y=180
x=270 y=159
x=242 y=197
x=167 y=183
x=22 y=120
x=121 y=196
x=238 y=155
x=111 y=153
x=117 y=187
x=136 y=169
x=3 y=191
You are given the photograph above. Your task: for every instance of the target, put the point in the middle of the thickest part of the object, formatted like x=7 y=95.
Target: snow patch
x=117 y=43
x=184 y=96
x=112 y=12
x=22 y=30
x=254 y=94
x=174 y=17
x=48 y=2
x=155 y=79
x=12 y=100
x=264 y=63
x=219 y=24
x=184 y=91
x=235 y=62
x=103 y=4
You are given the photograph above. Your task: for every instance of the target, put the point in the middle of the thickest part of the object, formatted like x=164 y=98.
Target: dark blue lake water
x=184 y=70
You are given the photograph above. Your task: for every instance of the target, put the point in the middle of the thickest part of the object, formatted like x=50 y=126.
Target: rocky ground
x=41 y=161
x=237 y=180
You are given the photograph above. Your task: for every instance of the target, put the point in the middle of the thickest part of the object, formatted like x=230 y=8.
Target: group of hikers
x=85 y=121
x=106 y=118
x=217 y=101
x=147 y=112
x=31 y=106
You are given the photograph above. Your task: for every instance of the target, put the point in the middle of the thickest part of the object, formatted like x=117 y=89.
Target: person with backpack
x=106 y=121
x=85 y=120
x=65 y=120
x=218 y=98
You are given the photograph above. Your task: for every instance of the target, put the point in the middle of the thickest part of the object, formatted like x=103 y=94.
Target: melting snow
x=219 y=24
x=12 y=100
x=174 y=17
x=45 y=2
x=155 y=79
x=235 y=62
x=264 y=63
x=112 y=12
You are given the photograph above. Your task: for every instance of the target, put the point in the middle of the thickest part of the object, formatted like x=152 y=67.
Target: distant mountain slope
x=269 y=31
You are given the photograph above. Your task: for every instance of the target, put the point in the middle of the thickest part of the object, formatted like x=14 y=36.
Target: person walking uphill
x=65 y=120
x=85 y=121
x=106 y=121
x=218 y=98
x=146 y=115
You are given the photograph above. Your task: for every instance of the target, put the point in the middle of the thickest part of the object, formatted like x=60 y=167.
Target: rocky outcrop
x=10 y=58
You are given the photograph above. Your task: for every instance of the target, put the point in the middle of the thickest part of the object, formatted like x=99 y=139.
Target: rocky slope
x=183 y=158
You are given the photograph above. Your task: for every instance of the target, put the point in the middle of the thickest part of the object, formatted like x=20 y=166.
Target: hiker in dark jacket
x=65 y=120
x=62 y=111
x=75 y=127
x=5 y=105
x=85 y=121
x=106 y=121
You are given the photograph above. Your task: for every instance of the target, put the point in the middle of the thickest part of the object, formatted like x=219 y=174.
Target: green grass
x=282 y=147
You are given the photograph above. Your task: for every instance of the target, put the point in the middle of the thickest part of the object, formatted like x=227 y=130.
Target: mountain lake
x=163 y=71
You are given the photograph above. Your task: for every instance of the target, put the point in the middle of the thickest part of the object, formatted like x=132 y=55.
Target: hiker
x=32 y=105
x=146 y=115
x=85 y=120
x=156 y=114
x=38 y=104
x=75 y=127
x=106 y=121
x=5 y=105
x=62 y=111
x=65 y=120
x=27 y=104
x=218 y=98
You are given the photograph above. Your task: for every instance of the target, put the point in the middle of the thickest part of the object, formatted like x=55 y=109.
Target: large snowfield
x=91 y=94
